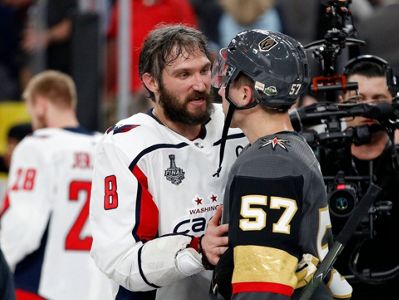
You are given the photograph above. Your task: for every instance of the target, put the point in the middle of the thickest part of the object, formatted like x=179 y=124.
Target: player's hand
x=214 y=242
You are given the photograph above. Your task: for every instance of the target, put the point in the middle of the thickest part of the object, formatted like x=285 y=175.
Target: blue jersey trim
x=153 y=148
x=79 y=129
x=124 y=294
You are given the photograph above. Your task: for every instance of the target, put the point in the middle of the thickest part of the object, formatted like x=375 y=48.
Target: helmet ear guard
x=390 y=76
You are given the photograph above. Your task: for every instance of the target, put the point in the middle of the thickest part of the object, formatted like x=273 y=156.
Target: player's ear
x=150 y=82
x=245 y=95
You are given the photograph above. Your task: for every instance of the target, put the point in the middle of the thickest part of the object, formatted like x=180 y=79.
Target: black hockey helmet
x=275 y=62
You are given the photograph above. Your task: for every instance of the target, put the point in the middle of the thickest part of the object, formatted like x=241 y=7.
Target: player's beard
x=177 y=111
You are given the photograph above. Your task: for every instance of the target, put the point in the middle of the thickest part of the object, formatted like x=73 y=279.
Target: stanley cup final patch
x=174 y=174
x=274 y=142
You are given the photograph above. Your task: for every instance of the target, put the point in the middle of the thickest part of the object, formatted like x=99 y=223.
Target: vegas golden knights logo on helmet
x=267 y=44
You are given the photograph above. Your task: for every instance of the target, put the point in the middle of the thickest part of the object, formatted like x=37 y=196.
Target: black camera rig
x=326 y=51
x=323 y=126
x=331 y=142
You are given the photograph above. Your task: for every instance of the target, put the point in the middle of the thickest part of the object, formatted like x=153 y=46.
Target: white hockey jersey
x=149 y=182
x=44 y=230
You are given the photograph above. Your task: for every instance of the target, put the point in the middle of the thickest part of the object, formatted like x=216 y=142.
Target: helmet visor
x=219 y=69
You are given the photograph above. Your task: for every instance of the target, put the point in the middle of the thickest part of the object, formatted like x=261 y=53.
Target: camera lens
x=342 y=202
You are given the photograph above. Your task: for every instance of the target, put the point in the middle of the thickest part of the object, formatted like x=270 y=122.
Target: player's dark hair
x=165 y=44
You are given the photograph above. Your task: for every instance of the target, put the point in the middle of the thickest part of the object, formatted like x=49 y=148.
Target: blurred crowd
x=39 y=35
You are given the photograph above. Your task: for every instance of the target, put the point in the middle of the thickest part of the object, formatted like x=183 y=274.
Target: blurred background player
x=44 y=226
x=153 y=191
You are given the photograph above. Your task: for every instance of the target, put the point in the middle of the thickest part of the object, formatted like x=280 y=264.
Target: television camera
x=323 y=125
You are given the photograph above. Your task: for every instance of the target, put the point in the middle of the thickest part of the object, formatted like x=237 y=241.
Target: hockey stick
x=350 y=226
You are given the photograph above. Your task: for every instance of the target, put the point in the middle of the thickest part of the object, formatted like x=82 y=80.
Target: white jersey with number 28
x=44 y=228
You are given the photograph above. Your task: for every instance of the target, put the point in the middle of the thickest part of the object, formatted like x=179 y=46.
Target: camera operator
x=370 y=258
x=376 y=83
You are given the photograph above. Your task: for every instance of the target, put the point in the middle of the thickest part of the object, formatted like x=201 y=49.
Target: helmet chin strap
x=226 y=125
x=227 y=122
